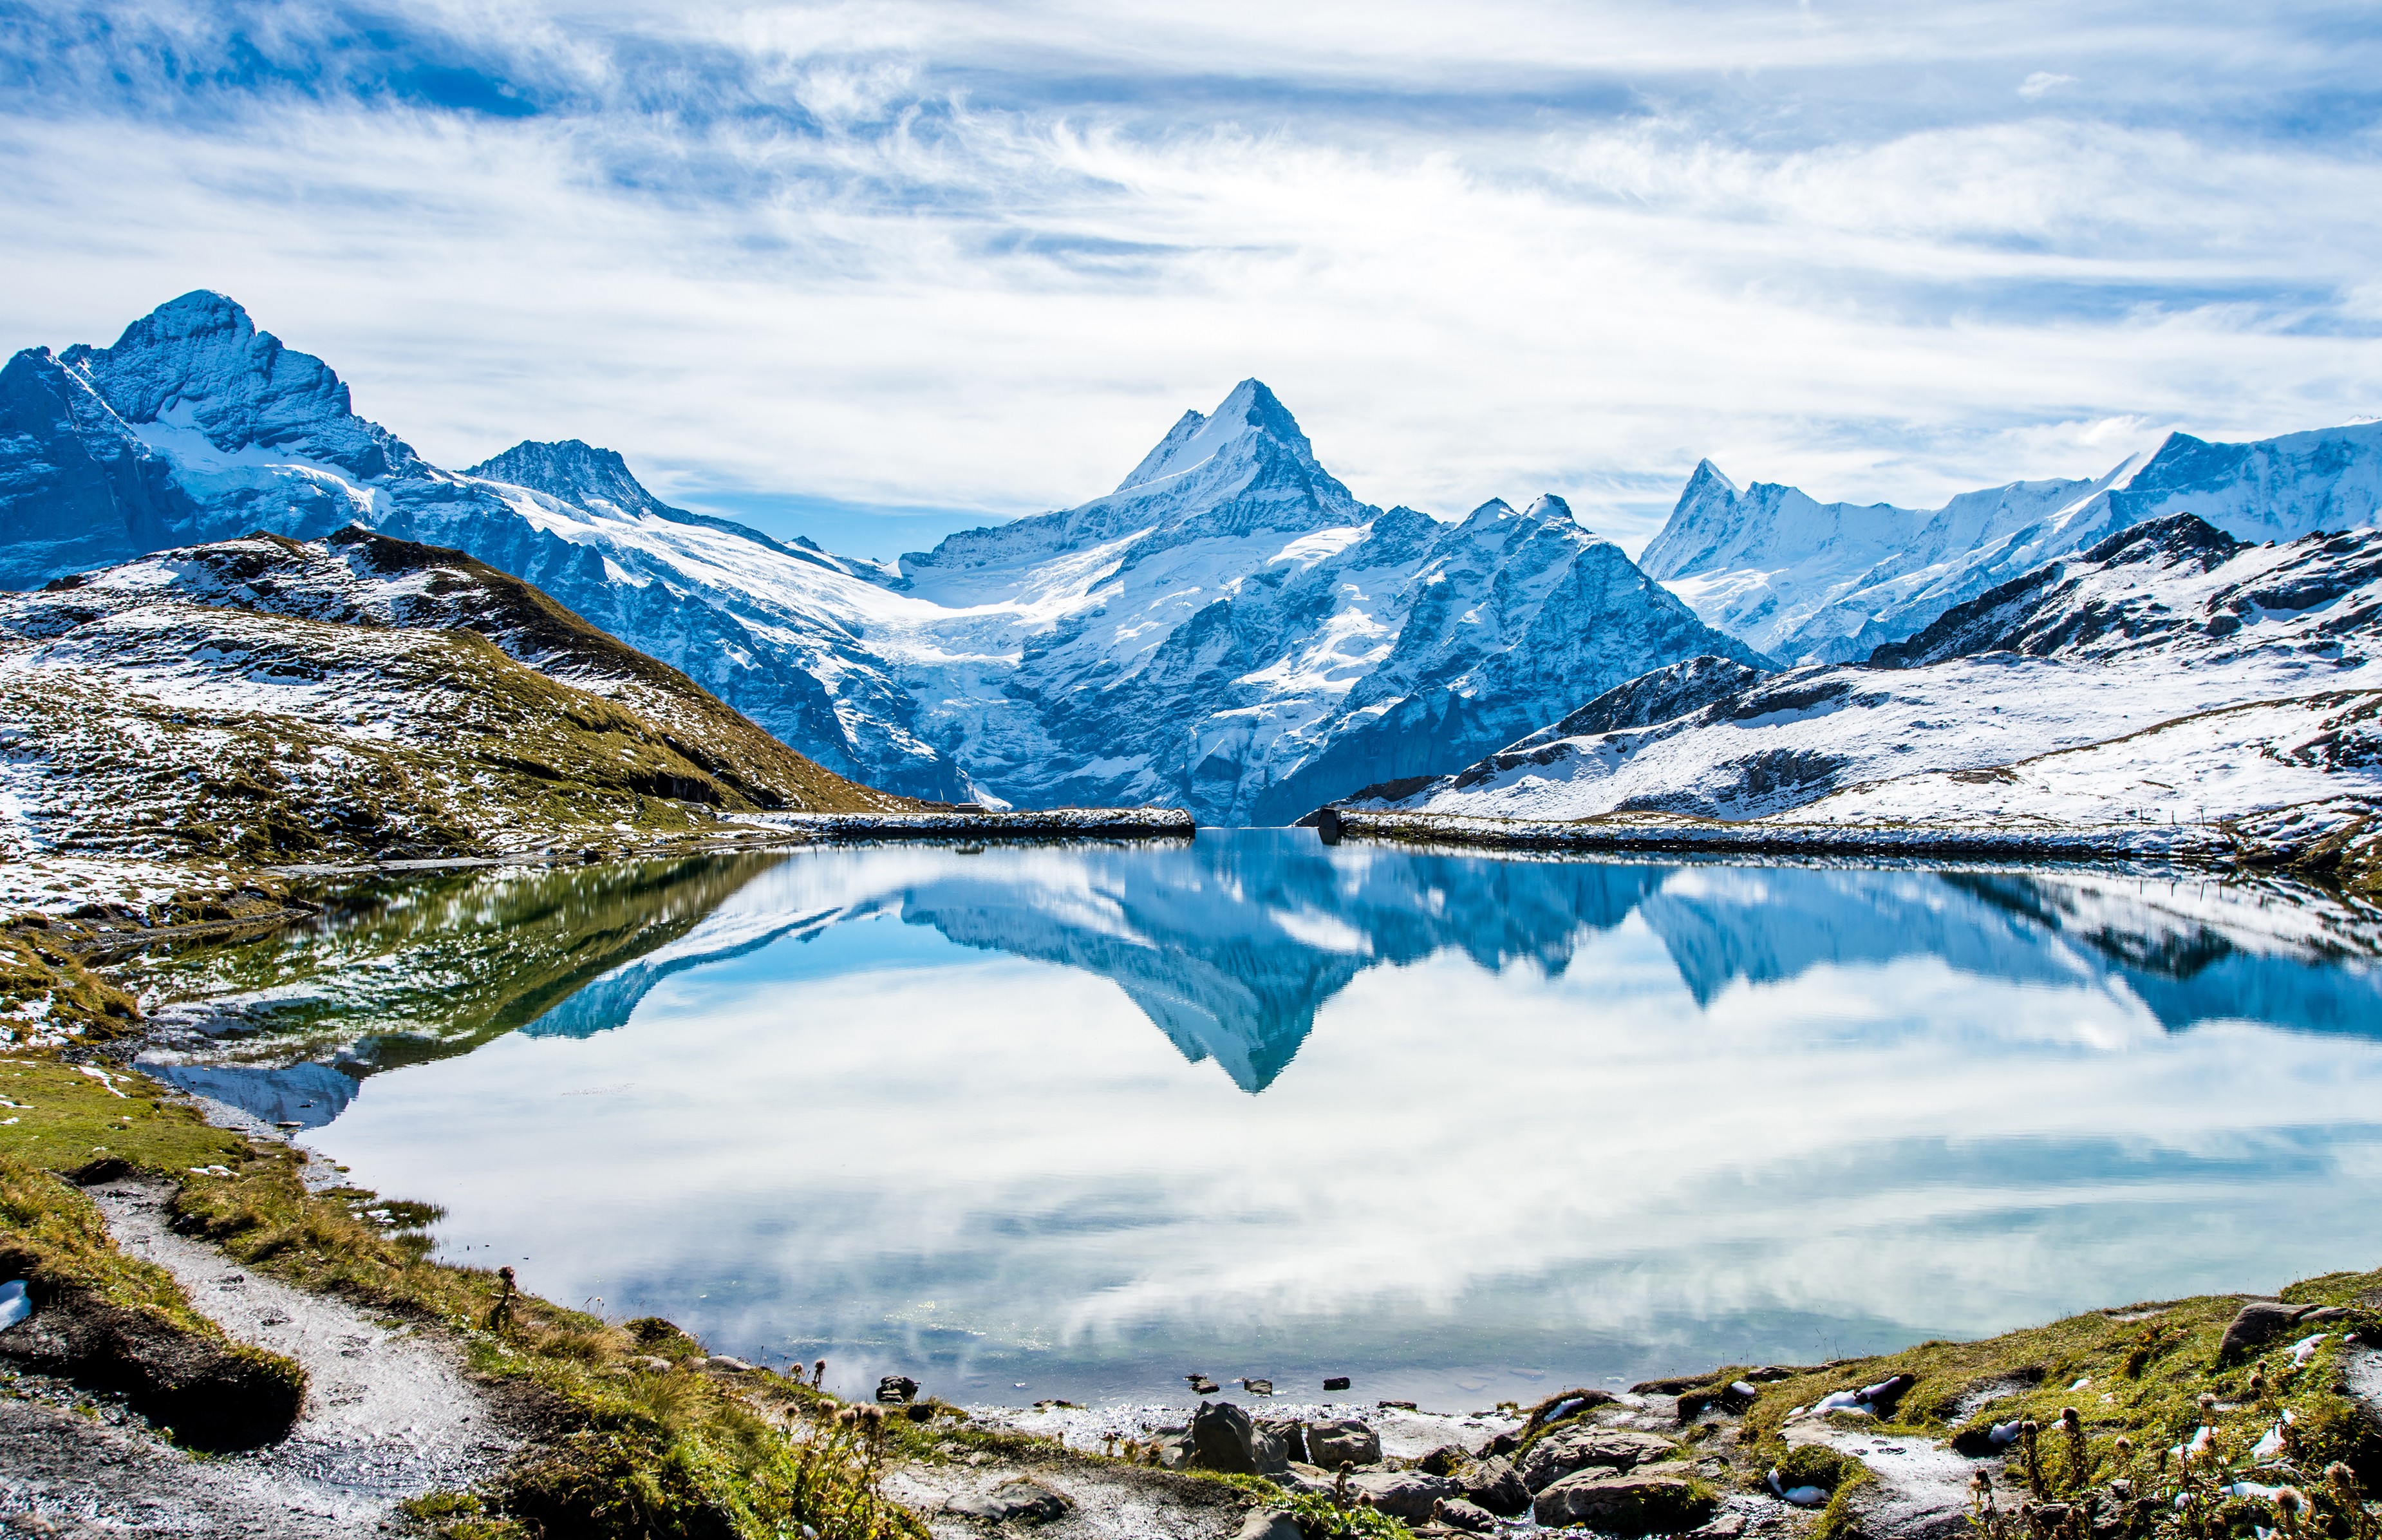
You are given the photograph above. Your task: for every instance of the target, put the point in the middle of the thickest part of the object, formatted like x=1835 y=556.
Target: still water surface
x=1077 y=1120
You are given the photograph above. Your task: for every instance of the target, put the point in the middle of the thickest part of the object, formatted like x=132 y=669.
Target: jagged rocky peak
x=1251 y=411
x=199 y=363
x=572 y=470
x=1243 y=470
x=1701 y=524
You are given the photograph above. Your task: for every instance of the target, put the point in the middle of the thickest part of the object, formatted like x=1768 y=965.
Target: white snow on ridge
x=2168 y=674
x=1807 y=581
x=2223 y=763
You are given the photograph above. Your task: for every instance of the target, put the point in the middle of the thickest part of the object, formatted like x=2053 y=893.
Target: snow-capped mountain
x=195 y=426
x=1814 y=582
x=1229 y=631
x=2137 y=680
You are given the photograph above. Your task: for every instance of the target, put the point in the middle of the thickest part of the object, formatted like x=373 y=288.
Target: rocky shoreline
x=2270 y=1412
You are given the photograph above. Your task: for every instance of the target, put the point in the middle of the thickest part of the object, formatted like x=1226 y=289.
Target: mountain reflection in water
x=1488 y=1119
x=1230 y=945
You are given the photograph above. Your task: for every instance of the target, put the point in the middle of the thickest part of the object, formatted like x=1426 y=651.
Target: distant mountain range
x=1229 y=631
x=1812 y=582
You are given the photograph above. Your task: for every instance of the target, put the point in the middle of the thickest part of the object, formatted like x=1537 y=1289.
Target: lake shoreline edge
x=2328 y=854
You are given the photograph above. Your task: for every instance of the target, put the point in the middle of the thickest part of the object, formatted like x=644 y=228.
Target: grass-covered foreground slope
x=358 y=696
x=2146 y=1419
x=647 y=1438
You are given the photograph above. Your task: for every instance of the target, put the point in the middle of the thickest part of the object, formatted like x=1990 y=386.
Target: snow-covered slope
x=2155 y=644
x=356 y=697
x=1807 y=581
x=1230 y=630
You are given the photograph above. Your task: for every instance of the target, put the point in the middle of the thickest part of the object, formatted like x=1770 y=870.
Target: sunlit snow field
x=1076 y=1121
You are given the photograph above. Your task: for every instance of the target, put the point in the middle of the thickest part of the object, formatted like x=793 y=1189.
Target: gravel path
x=390 y=1416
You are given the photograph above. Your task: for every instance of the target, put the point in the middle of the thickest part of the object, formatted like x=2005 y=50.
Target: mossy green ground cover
x=2143 y=1381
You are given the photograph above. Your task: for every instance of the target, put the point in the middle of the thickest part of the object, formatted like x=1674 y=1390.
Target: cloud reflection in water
x=1479 y=1121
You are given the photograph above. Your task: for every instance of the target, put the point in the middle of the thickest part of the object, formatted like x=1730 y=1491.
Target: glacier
x=1229 y=631
x=1812 y=582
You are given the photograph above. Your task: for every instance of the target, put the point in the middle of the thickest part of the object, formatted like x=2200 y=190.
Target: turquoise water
x=1075 y=1121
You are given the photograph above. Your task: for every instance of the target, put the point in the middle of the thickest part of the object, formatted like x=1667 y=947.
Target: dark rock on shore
x=1292 y=1436
x=1223 y=1439
x=2260 y=1321
x=1496 y=1485
x=1457 y=1513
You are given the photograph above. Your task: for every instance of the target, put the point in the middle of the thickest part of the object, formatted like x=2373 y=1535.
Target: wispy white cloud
x=2042 y=82
x=974 y=259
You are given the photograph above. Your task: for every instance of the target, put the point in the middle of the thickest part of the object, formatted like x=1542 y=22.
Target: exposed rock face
x=1494 y=1484
x=2257 y=1324
x=1013 y=1502
x=1618 y=1502
x=1223 y=1439
x=1572 y=1449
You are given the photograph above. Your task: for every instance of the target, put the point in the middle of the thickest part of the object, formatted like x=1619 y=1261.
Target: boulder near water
x=1623 y=1502
x=1223 y=1439
x=1494 y=1484
x=1330 y=1441
x=1569 y=1449
x=1457 y=1513
x=1406 y=1494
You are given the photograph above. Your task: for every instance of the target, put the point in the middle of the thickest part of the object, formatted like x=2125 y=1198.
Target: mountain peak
x=1706 y=479
x=572 y=470
x=1251 y=410
x=198 y=362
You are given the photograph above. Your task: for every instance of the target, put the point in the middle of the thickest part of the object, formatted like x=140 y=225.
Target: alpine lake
x=1073 y=1121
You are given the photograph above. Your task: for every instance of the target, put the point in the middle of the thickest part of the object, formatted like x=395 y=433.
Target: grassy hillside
x=268 y=701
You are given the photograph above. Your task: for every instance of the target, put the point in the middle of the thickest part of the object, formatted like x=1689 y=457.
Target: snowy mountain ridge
x=2170 y=671
x=1807 y=581
x=1229 y=631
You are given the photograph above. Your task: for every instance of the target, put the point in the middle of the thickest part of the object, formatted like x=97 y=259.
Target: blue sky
x=874 y=271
